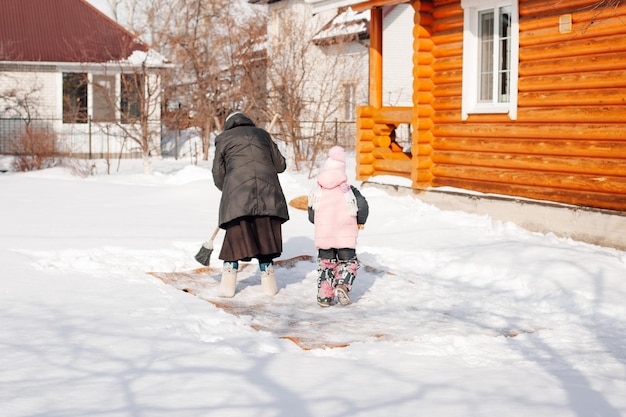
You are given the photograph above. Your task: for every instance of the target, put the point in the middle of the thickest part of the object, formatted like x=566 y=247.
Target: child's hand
x=361 y=226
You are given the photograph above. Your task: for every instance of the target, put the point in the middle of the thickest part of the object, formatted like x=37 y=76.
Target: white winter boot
x=228 y=284
x=268 y=281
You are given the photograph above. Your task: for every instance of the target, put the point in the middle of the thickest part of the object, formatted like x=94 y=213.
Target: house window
x=490 y=57
x=75 y=87
x=494 y=55
x=280 y=99
x=277 y=21
x=131 y=97
x=349 y=102
x=104 y=98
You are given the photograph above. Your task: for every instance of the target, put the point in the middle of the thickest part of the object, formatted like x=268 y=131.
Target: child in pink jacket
x=338 y=211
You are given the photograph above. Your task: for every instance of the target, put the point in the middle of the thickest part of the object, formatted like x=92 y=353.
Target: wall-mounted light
x=565 y=23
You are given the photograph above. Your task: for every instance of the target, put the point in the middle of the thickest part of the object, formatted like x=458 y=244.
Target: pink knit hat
x=336 y=159
x=333 y=171
x=337 y=153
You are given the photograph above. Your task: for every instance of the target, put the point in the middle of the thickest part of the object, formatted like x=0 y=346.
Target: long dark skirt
x=252 y=237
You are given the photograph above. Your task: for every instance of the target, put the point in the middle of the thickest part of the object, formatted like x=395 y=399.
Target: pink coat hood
x=333 y=173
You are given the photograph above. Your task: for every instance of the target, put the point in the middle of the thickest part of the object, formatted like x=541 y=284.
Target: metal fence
x=108 y=140
x=327 y=133
x=89 y=140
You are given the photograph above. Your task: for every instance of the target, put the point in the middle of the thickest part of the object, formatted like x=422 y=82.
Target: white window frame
x=277 y=21
x=470 y=102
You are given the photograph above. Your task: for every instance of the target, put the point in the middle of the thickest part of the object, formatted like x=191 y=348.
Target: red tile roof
x=61 y=31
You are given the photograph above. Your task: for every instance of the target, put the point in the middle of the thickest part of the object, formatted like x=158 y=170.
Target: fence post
x=89 y=121
x=176 y=138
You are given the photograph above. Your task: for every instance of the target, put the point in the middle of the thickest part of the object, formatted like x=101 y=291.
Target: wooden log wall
x=568 y=143
x=423 y=88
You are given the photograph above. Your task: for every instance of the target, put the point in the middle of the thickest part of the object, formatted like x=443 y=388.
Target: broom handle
x=217 y=229
x=274 y=120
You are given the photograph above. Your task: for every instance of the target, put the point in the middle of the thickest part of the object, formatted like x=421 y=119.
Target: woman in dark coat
x=253 y=206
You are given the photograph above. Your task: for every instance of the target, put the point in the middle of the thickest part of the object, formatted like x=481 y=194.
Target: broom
x=204 y=254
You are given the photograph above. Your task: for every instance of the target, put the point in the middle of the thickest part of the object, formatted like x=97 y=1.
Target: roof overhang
x=357 y=5
x=151 y=60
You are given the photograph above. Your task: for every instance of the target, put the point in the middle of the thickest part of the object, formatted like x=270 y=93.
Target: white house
x=68 y=69
x=317 y=70
x=341 y=37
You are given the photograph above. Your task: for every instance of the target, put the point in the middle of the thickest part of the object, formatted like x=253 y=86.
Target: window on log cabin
x=490 y=57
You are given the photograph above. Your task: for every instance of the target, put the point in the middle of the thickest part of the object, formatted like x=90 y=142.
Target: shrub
x=36 y=149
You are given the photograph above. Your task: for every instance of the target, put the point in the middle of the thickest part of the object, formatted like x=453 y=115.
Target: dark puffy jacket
x=245 y=169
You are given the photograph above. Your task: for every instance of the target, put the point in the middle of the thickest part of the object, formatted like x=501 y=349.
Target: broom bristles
x=204 y=255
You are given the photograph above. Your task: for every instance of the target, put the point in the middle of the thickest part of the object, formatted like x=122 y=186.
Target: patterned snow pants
x=335 y=267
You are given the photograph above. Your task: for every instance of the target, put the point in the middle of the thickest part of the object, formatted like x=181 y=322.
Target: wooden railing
x=377 y=154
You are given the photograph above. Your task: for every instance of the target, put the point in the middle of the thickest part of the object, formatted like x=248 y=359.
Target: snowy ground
x=453 y=314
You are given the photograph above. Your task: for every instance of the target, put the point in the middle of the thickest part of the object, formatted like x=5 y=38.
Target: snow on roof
x=322 y=5
x=347 y=24
x=150 y=58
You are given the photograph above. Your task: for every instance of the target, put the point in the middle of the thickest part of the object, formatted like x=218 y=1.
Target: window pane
x=504 y=55
x=494 y=55
x=104 y=98
x=130 y=104
x=75 y=97
x=485 y=55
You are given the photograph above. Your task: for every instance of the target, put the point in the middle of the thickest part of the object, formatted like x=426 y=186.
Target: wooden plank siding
x=568 y=142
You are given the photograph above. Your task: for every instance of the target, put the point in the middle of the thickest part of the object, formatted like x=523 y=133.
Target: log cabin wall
x=423 y=94
x=568 y=143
